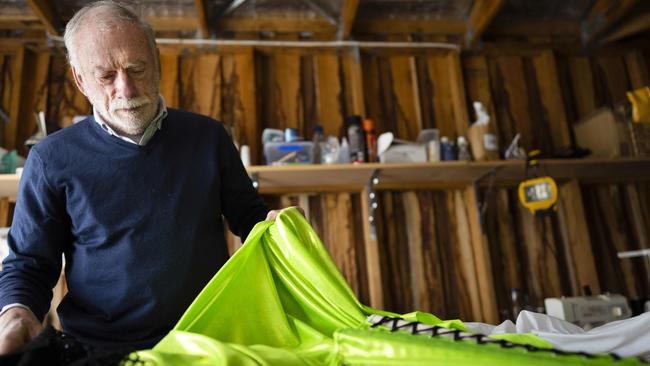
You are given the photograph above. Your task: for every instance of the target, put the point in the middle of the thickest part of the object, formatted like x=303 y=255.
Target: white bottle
x=463 y=149
x=344 y=152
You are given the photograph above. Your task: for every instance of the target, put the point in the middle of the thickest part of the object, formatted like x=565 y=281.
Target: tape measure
x=538 y=194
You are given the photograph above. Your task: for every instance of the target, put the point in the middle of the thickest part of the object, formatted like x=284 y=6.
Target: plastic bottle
x=318 y=141
x=356 y=138
x=463 y=149
x=371 y=140
x=447 y=149
x=344 y=152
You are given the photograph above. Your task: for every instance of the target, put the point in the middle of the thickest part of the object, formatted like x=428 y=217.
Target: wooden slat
x=199 y=5
x=603 y=16
x=617 y=238
x=457 y=88
x=576 y=239
x=638 y=24
x=328 y=92
x=339 y=236
x=542 y=272
x=174 y=23
x=239 y=83
x=404 y=86
x=10 y=129
x=286 y=107
x=480 y=248
x=372 y=255
x=201 y=84
x=614 y=78
x=45 y=12
x=353 y=83
x=443 y=103
x=533 y=27
x=470 y=292
x=405 y=26
x=277 y=24
x=169 y=78
x=34 y=95
x=638 y=69
x=482 y=14
x=346 y=20
x=551 y=98
x=477 y=87
x=582 y=85
x=64 y=98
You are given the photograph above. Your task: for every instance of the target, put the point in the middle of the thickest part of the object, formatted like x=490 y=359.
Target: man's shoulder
x=184 y=119
x=58 y=139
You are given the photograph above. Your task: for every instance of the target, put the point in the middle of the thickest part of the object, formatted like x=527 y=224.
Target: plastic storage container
x=281 y=153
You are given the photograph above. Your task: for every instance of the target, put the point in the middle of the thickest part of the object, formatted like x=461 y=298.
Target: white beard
x=130 y=122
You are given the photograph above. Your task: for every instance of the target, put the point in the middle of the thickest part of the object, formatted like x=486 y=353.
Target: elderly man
x=132 y=196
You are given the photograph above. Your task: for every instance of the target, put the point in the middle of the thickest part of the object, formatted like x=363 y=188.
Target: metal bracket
x=372 y=203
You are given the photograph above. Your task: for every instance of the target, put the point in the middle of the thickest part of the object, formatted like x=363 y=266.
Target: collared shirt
x=148 y=133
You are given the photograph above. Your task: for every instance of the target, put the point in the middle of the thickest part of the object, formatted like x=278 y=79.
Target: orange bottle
x=371 y=140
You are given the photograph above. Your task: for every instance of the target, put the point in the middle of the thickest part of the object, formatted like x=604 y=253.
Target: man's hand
x=17 y=327
x=273 y=213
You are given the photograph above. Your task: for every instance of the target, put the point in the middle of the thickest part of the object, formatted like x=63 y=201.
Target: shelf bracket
x=372 y=202
x=255 y=178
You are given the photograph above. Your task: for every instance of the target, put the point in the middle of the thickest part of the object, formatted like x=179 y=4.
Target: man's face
x=119 y=76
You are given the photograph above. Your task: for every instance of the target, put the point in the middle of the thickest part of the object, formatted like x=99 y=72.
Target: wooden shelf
x=449 y=174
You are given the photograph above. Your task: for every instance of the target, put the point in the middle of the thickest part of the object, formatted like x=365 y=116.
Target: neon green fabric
x=280 y=300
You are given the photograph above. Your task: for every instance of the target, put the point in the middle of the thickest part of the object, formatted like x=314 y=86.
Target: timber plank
x=328 y=93
x=286 y=96
x=352 y=83
x=408 y=118
x=466 y=260
x=551 y=98
x=576 y=239
x=169 y=79
x=582 y=85
x=201 y=84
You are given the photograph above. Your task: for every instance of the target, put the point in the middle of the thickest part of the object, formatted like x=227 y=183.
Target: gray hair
x=113 y=12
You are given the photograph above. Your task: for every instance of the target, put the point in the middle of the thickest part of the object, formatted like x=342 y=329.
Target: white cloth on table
x=627 y=337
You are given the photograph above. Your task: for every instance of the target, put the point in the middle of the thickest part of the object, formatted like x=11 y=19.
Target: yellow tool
x=538 y=194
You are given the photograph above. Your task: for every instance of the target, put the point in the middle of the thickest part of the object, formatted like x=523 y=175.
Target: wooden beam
x=11 y=128
x=45 y=12
x=276 y=24
x=551 y=27
x=372 y=254
x=636 y=25
x=392 y=26
x=232 y=7
x=203 y=21
x=173 y=23
x=319 y=9
x=482 y=14
x=348 y=14
x=603 y=16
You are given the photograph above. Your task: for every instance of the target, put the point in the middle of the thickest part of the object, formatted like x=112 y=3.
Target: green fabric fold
x=280 y=300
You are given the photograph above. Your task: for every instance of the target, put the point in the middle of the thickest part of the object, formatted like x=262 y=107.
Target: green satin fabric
x=280 y=300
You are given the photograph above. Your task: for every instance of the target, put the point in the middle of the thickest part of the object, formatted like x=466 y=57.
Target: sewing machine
x=589 y=311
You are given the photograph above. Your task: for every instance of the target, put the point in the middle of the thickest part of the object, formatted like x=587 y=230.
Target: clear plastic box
x=281 y=153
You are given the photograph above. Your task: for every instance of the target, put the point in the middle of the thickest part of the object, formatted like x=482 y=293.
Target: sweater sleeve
x=37 y=235
x=240 y=203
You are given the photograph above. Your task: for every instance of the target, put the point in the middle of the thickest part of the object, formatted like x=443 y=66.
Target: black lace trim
x=397 y=324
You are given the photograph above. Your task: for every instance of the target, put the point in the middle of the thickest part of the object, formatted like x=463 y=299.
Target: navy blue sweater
x=140 y=226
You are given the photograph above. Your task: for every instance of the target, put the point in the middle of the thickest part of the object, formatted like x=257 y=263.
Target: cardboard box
x=605 y=133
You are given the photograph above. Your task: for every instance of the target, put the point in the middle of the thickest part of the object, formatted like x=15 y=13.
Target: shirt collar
x=155 y=125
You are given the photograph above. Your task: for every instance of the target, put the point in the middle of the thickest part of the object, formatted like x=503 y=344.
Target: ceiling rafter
x=203 y=20
x=602 y=17
x=234 y=5
x=45 y=12
x=319 y=9
x=482 y=14
x=346 y=21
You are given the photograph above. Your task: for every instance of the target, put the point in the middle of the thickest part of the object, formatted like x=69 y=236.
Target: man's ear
x=78 y=80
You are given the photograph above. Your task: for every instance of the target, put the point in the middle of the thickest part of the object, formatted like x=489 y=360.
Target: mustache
x=129 y=103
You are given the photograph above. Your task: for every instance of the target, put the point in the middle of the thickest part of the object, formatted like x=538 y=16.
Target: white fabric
x=628 y=337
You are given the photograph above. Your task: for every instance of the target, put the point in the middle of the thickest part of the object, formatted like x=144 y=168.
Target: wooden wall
x=431 y=245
